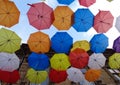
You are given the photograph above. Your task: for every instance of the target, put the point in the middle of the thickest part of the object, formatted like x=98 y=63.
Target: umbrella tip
x=31 y=5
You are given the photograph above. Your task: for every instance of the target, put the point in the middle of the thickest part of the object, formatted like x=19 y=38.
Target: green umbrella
x=60 y=61
x=9 y=41
x=109 y=0
x=114 y=61
x=36 y=77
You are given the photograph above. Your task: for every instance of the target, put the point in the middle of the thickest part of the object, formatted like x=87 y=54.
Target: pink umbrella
x=103 y=21
x=40 y=15
x=87 y=3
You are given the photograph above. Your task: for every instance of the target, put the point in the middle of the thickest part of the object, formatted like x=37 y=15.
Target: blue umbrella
x=99 y=43
x=38 y=61
x=83 y=20
x=67 y=2
x=61 y=42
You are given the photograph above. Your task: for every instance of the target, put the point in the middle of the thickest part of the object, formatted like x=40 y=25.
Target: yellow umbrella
x=36 y=76
x=83 y=44
x=60 y=61
x=114 y=61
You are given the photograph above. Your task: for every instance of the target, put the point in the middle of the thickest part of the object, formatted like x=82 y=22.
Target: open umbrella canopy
x=79 y=58
x=63 y=17
x=103 y=21
x=83 y=20
x=99 y=43
x=9 y=77
x=40 y=15
x=9 y=62
x=87 y=3
x=60 y=61
x=114 y=61
x=38 y=61
x=83 y=44
x=9 y=13
x=67 y=2
x=96 y=61
x=57 y=76
x=117 y=23
x=92 y=75
x=61 y=42
x=36 y=77
x=75 y=75
x=39 y=42
x=116 y=44
x=9 y=41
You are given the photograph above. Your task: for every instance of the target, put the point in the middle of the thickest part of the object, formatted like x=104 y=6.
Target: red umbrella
x=57 y=76
x=103 y=21
x=40 y=15
x=87 y=3
x=79 y=58
x=9 y=77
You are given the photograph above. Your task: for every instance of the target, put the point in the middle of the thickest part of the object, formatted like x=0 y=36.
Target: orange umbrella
x=39 y=42
x=92 y=75
x=9 y=13
x=63 y=18
x=4 y=0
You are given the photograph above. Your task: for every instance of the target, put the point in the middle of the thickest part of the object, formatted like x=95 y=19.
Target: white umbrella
x=75 y=75
x=96 y=61
x=117 y=23
x=9 y=62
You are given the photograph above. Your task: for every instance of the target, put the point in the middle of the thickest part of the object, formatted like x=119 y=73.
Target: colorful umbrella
x=40 y=15
x=117 y=23
x=92 y=75
x=83 y=20
x=4 y=0
x=67 y=2
x=63 y=17
x=109 y=0
x=9 y=77
x=116 y=44
x=75 y=74
x=38 y=61
x=96 y=61
x=9 y=41
x=39 y=42
x=79 y=58
x=114 y=61
x=103 y=21
x=36 y=77
x=9 y=62
x=99 y=43
x=83 y=44
x=9 y=13
x=87 y=3
x=61 y=42
x=60 y=61
x=56 y=76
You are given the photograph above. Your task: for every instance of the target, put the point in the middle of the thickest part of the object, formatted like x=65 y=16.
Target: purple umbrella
x=116 y=44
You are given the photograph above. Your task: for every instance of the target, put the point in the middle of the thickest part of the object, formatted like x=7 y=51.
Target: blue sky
x=23 y=28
